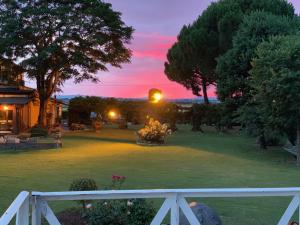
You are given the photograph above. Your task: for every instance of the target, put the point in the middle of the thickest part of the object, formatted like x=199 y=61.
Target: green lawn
x=190 y=160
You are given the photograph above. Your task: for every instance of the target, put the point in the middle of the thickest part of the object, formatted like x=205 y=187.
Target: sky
x=156 y=24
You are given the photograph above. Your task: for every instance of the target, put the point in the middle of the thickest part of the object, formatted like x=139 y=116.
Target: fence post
x=22 y=217
x=289 y=212
x=298 y=196
x=175 y=210
x=36 y=211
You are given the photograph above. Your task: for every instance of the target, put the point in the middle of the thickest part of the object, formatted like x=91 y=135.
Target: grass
x=190 y=160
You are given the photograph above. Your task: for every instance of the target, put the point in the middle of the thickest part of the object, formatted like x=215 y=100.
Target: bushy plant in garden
x=83 y=184
x=153 y=132
x=117 y=182
x=38 y=131
x=120 y=212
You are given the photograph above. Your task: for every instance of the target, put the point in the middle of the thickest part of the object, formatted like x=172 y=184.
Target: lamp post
x=155 y=98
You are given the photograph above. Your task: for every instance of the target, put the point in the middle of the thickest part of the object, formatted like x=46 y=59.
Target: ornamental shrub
x=83 y=184
x=153 y=132
x=38 y=131
x=121 y=212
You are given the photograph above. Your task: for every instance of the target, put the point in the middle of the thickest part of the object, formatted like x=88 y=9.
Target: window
x=6 y=120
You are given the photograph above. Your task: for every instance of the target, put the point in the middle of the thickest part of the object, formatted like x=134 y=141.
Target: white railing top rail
x=174 y=200
x=14 y=207
x=163 y=193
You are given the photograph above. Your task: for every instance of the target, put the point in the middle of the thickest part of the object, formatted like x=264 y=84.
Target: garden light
x=112 y=114
x=155 y=95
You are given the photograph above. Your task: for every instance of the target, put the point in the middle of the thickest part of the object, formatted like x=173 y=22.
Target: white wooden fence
x=174 y=201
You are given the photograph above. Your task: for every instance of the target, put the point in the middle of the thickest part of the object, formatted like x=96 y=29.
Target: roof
x=14 y=100
x=11 y=64
x=15 y=90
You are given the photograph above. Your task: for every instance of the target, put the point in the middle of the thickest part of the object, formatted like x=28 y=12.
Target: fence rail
x=174 y=201
x=19 y=208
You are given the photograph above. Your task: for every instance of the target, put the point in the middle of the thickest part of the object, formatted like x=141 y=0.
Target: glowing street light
x=5 y=107
x=155 y=95
x=112 y=114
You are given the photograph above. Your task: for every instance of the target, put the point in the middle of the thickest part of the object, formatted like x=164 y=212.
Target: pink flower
x=118 y=178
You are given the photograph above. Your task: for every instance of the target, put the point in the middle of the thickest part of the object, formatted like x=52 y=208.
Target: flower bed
x=14 y=142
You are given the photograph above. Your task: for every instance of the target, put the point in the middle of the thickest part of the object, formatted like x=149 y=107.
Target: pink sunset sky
x=156 y=24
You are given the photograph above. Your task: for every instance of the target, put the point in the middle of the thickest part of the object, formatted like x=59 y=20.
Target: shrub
x=39 y=131
x=153 y=132
x=210 y=115
x=117 y=182
x=83 y=184
x=121 y=212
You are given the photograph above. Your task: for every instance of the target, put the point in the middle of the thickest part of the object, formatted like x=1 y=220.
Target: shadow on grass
x=235 y=145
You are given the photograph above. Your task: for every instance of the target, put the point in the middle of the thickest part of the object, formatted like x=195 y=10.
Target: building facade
x=19 y=105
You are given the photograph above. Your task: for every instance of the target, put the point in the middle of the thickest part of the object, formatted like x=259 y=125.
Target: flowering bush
x=153 y=132
x=117 y=182
x=120 y=212
x=83 y=184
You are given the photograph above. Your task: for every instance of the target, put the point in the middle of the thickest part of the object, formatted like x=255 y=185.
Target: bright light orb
x=157 y=97
x=112 y=114
x=5 y=107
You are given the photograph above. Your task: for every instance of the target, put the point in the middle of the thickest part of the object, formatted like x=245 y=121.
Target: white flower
x=129 y=203
x=88 y=206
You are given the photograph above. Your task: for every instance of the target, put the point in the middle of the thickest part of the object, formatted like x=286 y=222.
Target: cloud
x=151 y=45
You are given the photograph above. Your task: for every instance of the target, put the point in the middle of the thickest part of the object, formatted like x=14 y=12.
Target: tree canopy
x=276 y=83
x=233 y=66
x=184 y=63
x=191 y=61
x=276 y=80
x=54 y=41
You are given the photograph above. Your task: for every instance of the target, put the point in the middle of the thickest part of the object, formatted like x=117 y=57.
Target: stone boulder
x=205 y=215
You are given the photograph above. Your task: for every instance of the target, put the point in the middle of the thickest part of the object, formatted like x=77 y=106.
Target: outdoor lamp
x=112 y=114
x=155 y=95
x=5 y=107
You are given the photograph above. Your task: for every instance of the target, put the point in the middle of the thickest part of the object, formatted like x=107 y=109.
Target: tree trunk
x=42 y=120
x=204 y=90
x=262 y=141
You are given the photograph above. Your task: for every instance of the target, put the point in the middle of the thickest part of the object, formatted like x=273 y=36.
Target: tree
x=184 y=63
x=192 y=59
x=54 y=41
x=232 y=69
x=276 y=82
x=233 y=79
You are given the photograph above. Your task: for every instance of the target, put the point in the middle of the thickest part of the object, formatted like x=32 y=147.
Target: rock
x=2 y=140
x=12 y=140
x=205 y=215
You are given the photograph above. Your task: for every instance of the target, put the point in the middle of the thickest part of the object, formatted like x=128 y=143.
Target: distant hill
x=67 y=98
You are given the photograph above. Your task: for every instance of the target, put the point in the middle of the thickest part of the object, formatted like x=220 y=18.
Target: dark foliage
x=121 y=212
